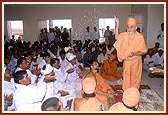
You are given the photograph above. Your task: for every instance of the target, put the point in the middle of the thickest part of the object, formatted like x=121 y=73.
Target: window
x=15 y=28
x=43 y=24
x=66 y=23
x=104 y=22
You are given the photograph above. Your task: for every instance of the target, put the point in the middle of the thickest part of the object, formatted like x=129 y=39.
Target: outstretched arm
x=116 y=27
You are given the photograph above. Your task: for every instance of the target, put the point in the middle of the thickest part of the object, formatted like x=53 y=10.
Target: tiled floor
x=158 y=84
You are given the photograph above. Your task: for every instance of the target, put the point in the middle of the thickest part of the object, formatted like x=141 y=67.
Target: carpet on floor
x=149 y=99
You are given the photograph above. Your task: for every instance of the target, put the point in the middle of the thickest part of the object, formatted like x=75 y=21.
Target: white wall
x=83 y=15
x=155 y=18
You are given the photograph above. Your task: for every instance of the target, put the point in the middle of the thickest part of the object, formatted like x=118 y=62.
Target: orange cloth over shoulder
x=132 y=67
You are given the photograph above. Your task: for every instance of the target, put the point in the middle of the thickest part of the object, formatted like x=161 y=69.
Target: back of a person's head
x=131 y=97
x=45 y=54
x=62 y=52
x=20 y=60
x=51 y=104
x=89 y=85
x=19 y=75
x=53 y=61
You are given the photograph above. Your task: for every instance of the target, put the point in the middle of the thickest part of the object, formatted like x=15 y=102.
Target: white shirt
x=51 y=54
x=109 y=51
x=61 y=76
x=24 y=98
x=73 y=77
x=63 y=63
x=101 y=57
x=161 y=39
x=51 y=90
x=51 y=37
x=9 y=87
x=61 y=84
x=39 y=59
x=106 y=35
x=148 y=59
x=87 y=35
x=33 y=65
x=42 y=63
x=32 y=76
x=95 y=35
x=12 y=64
x=158 y=59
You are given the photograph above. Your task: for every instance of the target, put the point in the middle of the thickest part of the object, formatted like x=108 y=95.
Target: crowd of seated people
x=51 y=68
x=154 y=58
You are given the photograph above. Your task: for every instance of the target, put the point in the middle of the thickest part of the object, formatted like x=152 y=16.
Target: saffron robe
x=119 y=107
x=102 y=85
x=109 y=71
x=91 y=104
x=132 y=67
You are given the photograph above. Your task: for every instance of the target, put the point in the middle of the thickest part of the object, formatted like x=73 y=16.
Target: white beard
x=130 y=33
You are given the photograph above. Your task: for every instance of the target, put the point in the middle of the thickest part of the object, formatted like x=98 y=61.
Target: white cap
x=70 y=56
x=46 y=69
x=10 y=47
x=101 y=40
x=160 y=49
x=67 y=48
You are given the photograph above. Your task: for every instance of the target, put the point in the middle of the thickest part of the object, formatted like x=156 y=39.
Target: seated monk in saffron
x=89 y=101
x=103 y=89
x=109 y=70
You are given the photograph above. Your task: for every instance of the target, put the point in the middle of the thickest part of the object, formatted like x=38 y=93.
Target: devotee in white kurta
x=72 y=70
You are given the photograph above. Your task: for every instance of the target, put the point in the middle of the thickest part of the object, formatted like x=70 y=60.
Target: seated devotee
x=77 y=53
x=103 y=89
x=155 y=48
x=159 y=58
x=62 y=58
x=25 y=97
x=52 y=104
x=109 y=70
x=47 y=87
x=110 y=49
x=89 y=101
x=13 y=61
x=129 y=102
x=72 y=69
x=53 y=51
x=46 y=59
x=87 y=58
x=23 y=64
x=7 y=61
x=158 y=63
x=9 y=89
x=67 y=50
x=102 y=56
x=61 y=78
x=96 y=52
x=148 y=60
